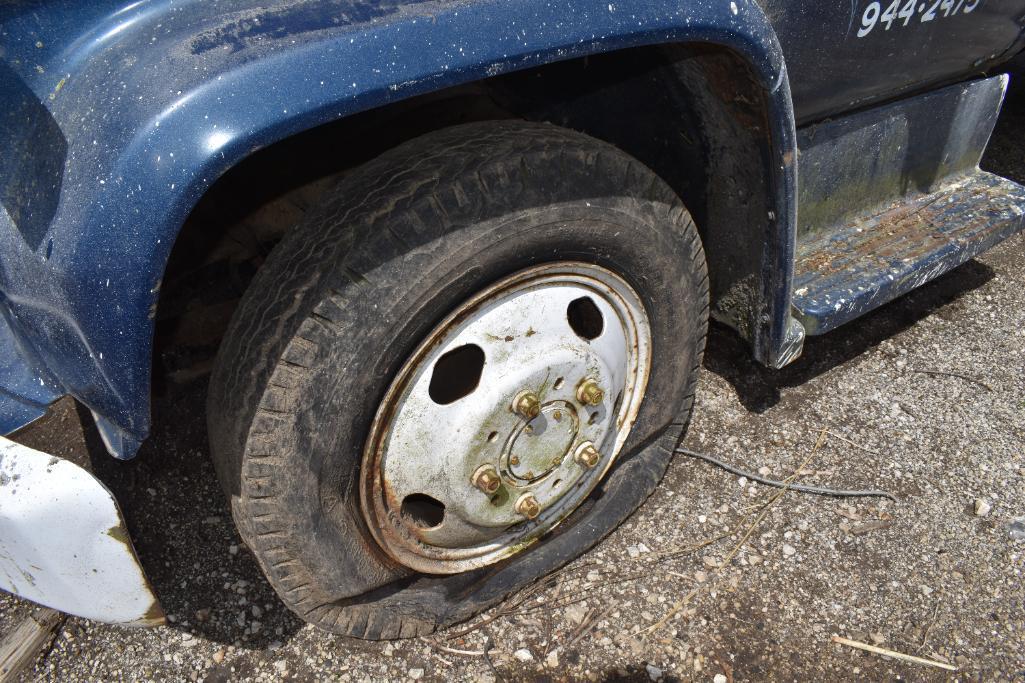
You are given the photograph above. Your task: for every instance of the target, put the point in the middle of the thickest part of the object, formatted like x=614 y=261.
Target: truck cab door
x=842 y=54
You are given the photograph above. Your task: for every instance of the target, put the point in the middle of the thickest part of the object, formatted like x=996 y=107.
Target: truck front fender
x=134 y=111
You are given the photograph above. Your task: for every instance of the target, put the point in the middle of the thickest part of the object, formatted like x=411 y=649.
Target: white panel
x=63 y=542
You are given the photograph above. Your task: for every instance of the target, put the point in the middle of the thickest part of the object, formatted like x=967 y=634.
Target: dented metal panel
x=63 y=542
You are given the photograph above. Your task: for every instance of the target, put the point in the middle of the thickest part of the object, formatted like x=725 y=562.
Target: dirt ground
x=924 y=398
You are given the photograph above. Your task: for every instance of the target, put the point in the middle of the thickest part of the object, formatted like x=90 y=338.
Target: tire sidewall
x=374 y=322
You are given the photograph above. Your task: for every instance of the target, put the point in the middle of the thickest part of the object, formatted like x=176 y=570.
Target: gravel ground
x=668 y=595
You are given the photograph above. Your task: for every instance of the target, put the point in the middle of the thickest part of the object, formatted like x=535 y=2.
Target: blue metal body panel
x=25 y=387
x=832 y=69
x=126 y=113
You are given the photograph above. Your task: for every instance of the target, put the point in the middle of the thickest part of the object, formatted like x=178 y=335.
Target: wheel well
x=693 y=113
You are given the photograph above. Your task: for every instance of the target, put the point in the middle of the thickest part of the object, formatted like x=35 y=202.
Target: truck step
x=843 y=273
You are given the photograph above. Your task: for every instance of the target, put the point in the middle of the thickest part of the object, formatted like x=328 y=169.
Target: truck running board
x=915 y=165
x=841 y=275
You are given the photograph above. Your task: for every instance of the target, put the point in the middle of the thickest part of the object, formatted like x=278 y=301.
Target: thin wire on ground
x=803 y=488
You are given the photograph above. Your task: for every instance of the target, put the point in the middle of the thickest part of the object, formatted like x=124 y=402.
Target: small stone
x=233 y=549
x=218 y=657
x=203 y=615
x=654 y=673
x=754 y=558
x=633 y=551
x=257 y=612
x=255 y=627
x=416 y=674
x=877 y=638
x=576 y=613
x=552 y=660
x=789 y=550
x=1017 y=529
x=281 y=666
x=764 y=471
x=926 y=590
x=636 y=646
x=700 y=576
x=742 y=482
x=524 y=655
x=710 y=562
x=641 y=548
x=719 y=678
x=702 y=519
x=982 y=507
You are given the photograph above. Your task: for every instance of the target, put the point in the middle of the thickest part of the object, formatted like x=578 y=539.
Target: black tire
x=348 y=294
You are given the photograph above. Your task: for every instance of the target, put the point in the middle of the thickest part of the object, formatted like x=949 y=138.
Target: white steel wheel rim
x=422 y=455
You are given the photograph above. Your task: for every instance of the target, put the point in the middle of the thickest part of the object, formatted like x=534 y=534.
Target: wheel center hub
x=538 y=447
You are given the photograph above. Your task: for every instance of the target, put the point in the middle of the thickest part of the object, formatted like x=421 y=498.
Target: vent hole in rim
x=585 y=318
x=456 y=374
x=423 y=510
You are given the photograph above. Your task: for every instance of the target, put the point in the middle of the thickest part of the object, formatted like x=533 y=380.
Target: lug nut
x=527 y=405
x=486 y=479
x=589 y=393
x=587 y=455
x=528 y=506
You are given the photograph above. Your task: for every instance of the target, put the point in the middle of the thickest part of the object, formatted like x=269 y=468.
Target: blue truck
x=473 y=353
